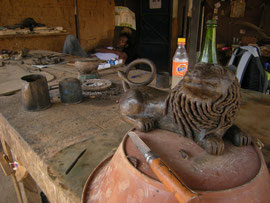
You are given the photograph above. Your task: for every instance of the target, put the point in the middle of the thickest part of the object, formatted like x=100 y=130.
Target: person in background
x=120 y=51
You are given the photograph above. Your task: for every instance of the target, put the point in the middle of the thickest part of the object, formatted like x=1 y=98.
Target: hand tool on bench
x=166 y=175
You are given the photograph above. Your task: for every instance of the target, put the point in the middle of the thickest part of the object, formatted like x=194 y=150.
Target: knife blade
x=139 y=143
x=165 y=174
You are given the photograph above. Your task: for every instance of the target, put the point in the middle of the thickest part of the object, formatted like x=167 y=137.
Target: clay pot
x=86 y=66
x=239 y=175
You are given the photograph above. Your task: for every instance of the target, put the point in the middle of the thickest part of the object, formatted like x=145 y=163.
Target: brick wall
x=96 y=18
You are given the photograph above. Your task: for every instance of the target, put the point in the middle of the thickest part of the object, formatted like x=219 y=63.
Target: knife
x=166 y=175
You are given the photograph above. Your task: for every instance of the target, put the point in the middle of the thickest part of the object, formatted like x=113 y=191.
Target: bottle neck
x=209 y=54
x=181 y=45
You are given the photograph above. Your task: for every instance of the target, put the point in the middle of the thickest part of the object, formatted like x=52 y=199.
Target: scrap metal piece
x=96 y=85
x=75 y=161
x=47 y=60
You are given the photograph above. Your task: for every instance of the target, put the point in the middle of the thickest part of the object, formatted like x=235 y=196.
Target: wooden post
x=194 y=31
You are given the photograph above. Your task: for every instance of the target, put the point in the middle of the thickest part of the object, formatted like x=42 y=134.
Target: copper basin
x=239 y=175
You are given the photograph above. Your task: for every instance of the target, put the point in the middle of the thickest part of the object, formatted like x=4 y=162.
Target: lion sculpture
x=202 y=106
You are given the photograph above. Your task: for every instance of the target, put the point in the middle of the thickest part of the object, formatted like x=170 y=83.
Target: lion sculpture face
x=207 y=82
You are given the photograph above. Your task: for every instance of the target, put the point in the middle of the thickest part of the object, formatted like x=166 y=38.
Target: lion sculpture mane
x=202 y=106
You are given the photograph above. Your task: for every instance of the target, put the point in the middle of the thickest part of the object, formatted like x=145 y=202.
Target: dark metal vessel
x=35 y=93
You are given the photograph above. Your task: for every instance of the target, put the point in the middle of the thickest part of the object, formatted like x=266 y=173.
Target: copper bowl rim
x=158 y=184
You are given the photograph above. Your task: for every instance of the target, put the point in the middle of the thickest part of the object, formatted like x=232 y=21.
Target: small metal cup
x=35 y=93
x=162 y=80
x=70 y=91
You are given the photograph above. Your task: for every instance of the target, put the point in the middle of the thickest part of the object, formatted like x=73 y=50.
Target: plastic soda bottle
x=180 y=62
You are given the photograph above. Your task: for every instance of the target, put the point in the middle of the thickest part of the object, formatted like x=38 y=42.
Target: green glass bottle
x=209 y=53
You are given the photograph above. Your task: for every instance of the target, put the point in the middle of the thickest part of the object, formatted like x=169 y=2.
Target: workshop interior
x=149 y=101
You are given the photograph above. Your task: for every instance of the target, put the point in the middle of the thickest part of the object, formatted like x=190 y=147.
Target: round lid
x=199 y=170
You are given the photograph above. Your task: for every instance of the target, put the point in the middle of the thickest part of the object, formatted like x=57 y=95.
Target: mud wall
x=256 y=14
x=96 y=20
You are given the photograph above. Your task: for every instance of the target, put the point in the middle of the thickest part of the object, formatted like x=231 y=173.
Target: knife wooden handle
x=172 y=182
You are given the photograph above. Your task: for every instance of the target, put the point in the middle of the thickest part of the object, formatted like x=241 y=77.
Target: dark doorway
x=152 y=38
x=155 y=33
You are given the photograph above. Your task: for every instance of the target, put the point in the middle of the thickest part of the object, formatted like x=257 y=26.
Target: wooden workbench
x=47 y=142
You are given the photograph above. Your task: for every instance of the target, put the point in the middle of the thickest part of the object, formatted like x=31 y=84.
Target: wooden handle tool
x=166 y=175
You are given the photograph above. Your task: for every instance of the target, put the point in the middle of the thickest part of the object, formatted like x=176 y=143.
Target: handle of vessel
x=173 y=183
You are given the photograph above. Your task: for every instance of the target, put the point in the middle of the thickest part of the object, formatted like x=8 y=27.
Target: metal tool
x=75 y=161
x=166 y=175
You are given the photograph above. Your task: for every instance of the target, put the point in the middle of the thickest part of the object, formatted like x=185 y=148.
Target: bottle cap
x=181 y=40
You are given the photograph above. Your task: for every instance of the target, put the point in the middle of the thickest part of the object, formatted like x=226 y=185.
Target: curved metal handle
x=124 y=74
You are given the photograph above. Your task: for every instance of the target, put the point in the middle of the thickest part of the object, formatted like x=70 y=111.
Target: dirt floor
x=7 y=192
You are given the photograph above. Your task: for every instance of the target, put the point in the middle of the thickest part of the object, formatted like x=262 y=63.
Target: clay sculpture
x=201 y=107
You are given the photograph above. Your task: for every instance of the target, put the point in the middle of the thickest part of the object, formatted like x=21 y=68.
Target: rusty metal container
x=35 y=93
x=239 y=175
x=70 y=91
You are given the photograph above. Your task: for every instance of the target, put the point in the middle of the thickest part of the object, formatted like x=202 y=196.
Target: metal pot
x=239 y=175
x=70 y=91
x=35 y=93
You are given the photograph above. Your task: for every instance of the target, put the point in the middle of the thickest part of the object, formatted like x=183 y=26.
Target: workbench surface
x=47 y=142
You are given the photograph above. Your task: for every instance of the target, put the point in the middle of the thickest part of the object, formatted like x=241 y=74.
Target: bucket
x=35 y=93
x=239 y=175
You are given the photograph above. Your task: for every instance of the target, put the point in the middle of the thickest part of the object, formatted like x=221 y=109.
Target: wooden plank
x=33 y=35
x=5 y=166
x=30 y=190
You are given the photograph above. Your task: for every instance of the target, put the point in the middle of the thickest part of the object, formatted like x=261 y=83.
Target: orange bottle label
x=180 y=68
